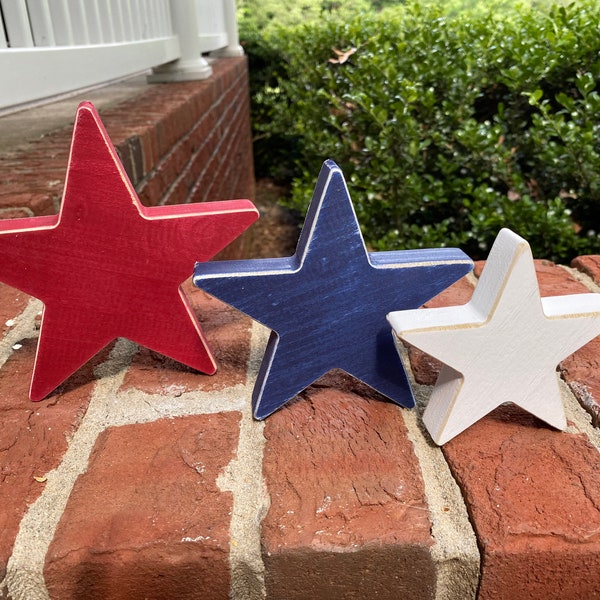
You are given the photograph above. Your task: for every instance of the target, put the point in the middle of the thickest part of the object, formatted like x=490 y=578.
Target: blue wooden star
x=327 y=304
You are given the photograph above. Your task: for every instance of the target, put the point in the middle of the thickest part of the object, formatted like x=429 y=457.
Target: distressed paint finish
x=108 y=267
x=326 y=304
x=502 y=346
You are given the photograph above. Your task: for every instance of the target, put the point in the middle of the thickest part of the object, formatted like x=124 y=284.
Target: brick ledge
x=141 y=479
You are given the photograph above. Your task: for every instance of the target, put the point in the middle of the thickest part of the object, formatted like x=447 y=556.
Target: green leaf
x=535 y=97
x=566 y=101
x=585 y=84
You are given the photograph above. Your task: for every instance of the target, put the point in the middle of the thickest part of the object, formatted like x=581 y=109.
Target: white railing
x=52 y=47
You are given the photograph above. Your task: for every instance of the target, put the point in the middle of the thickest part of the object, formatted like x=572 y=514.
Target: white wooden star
x=502 y=346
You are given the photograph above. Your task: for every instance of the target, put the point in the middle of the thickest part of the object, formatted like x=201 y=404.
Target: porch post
x=233 y=47
x=190 y=65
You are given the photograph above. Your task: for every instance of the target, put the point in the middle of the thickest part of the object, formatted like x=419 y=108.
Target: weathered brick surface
x=148 y=520
x=556 y=281
x=201 y=125
x=179 y=143
x=30 y=201
x=532 y=494
x=348 y=516
x=590 y=265
x=582 y=372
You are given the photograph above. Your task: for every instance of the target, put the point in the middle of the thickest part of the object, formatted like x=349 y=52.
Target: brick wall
x=179 y=143
x=140 y=479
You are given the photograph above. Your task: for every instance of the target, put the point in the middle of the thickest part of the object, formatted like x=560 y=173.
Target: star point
x=108 y=267
x=502 y=346
x=326 y=305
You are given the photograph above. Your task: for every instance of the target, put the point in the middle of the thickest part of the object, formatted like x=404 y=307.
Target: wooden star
x=108 y=267
x=502 y=346
x=327 y=303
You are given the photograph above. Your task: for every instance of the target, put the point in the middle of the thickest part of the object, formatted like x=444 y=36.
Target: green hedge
x=447 y=128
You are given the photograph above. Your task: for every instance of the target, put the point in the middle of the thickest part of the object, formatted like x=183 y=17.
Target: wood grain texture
x=502 y=346
x=327 y=303
x=108 y=267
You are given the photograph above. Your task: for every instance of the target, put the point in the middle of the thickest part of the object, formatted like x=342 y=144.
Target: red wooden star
x=108 y=267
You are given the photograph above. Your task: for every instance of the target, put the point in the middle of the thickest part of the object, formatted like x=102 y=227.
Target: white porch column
x=191 y=65
x=233 y=47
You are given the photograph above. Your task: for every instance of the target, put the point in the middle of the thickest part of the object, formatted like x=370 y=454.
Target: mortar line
x=23 y=328
x=583 y=278
x=108 y=407
x=131 y=406
x=455 y=552
x=574 y=411
x=581 y=420
x=243 y=478
x=24 y=573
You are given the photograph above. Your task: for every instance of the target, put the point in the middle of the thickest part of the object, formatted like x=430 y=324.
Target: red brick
x=228 y=334
x=151 y=190
x=124 y=127
x=147 y=520
x=12 y=303
x=137 y=159
x=178 y=194
x=209 y=190
x=33 y=437
x=582 y=372
x=37 y=203
x=556 y=281
x=552 y=279
x=175 y=161
x=201 y=104
x=149 y=148
x=478 y=266
x=215 y=190
x=202 y=165
x=348 y=516
x=532 y=497
x=203 y=148
x=590 y=265
x=166 y=134
x=177 y=122
x=124 y=154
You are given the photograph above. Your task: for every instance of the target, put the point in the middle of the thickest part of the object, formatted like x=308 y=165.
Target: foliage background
x=449 y=121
